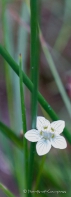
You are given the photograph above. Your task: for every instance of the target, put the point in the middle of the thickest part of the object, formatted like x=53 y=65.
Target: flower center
x=46 y=135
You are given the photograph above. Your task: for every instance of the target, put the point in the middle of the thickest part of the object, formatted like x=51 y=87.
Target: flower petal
x=59 y=142
x=32 y=135
x=42 y=122
x=58 y=126
x=43 y=147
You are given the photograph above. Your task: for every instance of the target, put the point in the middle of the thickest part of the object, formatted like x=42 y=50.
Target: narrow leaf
x=11 y=135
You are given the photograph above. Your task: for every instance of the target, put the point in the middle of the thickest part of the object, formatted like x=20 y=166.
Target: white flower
x=47 y=135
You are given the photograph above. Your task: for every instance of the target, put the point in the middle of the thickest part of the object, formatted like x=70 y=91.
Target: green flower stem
x=6 y=191
x=40 y=172
x=11 y=135
x=23 y=121
x=29 y=85
x=34 y=56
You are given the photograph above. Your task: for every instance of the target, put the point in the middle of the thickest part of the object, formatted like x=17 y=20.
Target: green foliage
x=11 y=135
x=6 y=191
x=29 y=84
x=54 y=170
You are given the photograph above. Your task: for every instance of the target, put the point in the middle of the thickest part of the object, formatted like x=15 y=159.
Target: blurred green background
x=55 y=23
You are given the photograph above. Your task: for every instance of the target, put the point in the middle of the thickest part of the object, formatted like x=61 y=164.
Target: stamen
x=45 y=127
x=40 y=132
x=53 y=136
x=52 y=129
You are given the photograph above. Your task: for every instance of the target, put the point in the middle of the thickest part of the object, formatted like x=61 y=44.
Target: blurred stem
x=40 y=172
x=23 y=110
x=23 y=35
x=63 y=37
x=6 y=191
x=18 y=169
x=34 y=55
x=29 y=85
x=11 y=135
x=65 y=31
x=7 y=69
x=21 y=47
x=55 y=74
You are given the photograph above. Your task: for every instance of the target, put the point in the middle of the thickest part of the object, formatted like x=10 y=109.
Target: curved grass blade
x=6 y=191
x=11 y=135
